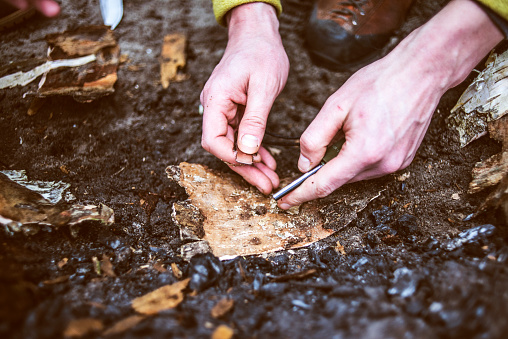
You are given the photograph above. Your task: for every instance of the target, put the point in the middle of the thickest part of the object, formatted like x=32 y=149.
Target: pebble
x=404 y=283
x=204 y=270
x=474 y=235
x=383 y=216
x=301 y=304
x=406 y=225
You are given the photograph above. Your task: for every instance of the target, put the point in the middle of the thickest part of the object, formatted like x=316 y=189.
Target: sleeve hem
x=222 y=7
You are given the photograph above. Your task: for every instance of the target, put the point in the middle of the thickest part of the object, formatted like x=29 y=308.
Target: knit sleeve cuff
x=222 y=7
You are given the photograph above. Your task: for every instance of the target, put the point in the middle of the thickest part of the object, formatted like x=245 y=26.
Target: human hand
x=385 y=108
x=48 y=8
x=251 y=74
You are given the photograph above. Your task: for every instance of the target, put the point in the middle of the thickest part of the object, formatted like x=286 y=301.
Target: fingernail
x=260 y=190
x=284 y=206
x=249 y=144
x=303 y=164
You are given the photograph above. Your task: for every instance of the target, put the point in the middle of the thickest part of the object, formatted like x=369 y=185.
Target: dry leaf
x=81 y=327
x=62 y=263
x=124 y=324
x=222 y=307
x=107 y=266
x=172 y=58
x=222 y=332
x=161 y=299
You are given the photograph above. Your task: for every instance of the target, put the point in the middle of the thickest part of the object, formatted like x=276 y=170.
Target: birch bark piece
x=485 y=100
x=238 y=220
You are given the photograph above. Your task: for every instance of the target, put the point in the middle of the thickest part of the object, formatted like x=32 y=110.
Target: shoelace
x=346 y=13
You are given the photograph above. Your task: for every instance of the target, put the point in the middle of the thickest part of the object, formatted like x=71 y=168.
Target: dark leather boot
x=347 y=34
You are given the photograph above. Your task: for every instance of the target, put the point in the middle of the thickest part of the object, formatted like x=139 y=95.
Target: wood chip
x=124 y=324
x=159 y=267
x=489 y=172
x=223 y=332
x=173 y=58
x=176 y=271
x=80 y=327
x=222 y=308
x=244 y=158
x=294 y=276
x=161 y=299
x=55 y=281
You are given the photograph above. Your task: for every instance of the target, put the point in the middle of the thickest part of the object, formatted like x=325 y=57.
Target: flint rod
x=296 y=183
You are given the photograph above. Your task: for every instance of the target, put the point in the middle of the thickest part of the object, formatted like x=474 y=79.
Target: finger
x=48 y=8
x=333 y=175
x=255 y=176
x=274 y=178
x=252 y=127
x=320 y=133
x=267 y=158
x=218 y=134
x=20 y=4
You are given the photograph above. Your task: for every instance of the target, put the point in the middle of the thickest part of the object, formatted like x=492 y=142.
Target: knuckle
x=308 y=143
x=323 y=190
x=372 y=156
x=205 y=145
x=254 y=121
x=392 y=165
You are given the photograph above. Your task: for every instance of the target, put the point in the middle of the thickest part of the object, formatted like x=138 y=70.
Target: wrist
x=452 y=43
x=252 y=17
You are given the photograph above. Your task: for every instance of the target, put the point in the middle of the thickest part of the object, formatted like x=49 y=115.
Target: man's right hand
x=251 y=73
x=48 y=8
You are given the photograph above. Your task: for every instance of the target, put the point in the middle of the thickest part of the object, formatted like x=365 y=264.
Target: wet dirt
x=401 y=268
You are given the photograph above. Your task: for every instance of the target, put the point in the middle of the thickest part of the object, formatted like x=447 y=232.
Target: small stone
x=383 y=215
x=204 y=271
x=405 y=283
x=407 y=225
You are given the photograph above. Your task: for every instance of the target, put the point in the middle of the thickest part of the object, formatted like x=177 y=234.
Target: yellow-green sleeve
x=221 y=7
x=500 y=7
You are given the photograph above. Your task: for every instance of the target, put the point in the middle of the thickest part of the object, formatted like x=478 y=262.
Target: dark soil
x=406 y=273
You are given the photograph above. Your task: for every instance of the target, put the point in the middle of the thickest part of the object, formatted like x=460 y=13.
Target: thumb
x=253 y=124
x=319 y=135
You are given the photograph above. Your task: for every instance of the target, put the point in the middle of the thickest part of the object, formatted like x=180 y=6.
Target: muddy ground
x=405 y=271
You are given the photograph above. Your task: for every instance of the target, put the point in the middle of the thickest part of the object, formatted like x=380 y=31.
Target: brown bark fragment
x=173 y=58
x=87 y=82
